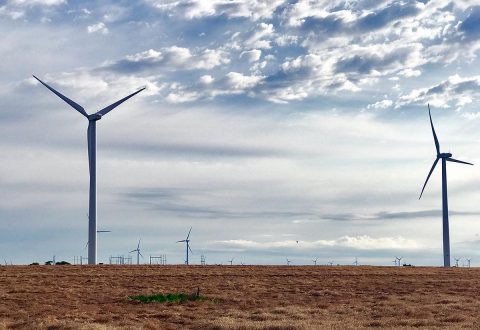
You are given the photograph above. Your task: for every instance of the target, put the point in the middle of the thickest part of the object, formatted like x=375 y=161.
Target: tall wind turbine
x=231 y=261
x=187 y=242
x=315 y=261
x=92 y=164
x=138 y=252
x=445 y=157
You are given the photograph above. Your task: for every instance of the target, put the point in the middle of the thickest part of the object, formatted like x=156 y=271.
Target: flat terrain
x=246 y=297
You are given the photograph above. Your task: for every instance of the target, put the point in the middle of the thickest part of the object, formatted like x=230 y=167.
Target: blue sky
x=263 y=123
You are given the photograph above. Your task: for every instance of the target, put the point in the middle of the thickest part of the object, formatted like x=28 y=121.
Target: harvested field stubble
x=240 y=297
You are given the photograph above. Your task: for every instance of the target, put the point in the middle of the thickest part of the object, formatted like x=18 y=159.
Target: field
x=240 y=297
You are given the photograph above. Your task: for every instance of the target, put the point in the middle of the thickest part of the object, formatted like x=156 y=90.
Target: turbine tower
x=92 y=164
x=187 y=242
x=288 y=262
x=315 y=261
x=445 y=157
x=138 y=252
x=231 y=261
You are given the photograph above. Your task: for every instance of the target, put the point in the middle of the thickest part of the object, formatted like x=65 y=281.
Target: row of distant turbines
x=92 y=151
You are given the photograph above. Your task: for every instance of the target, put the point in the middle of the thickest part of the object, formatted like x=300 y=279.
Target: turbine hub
x=94 y=117
x=445 y=155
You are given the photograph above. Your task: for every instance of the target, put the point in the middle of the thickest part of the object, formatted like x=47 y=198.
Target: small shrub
x=170 y=297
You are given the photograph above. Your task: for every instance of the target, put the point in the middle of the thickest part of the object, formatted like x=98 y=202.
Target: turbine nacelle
x=94 y=117
x=445 y=155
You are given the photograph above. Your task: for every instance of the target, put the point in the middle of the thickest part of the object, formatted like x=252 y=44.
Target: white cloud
x=455 y=90
x=251 y=55
x=384 y=104
x=238 y=81
x=37 y=2
x=253 y=9
x=98 y=27
x=363 y=242
x=206 y=79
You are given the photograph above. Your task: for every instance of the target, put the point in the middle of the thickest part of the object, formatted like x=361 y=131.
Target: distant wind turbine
x=468 y=262
x=399 y=260
x=187 y=243
x=138 y=252
x=231 y=261
x=356 y=261
x=92 y=162
x=445 y=157
x=288 y=262
x=315 y=261
x=457 y=260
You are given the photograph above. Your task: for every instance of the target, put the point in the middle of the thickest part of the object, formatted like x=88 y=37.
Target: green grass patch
x=170 y=297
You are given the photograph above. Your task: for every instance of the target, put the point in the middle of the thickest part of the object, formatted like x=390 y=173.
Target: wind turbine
x=315 y=261
x=395 y=261
x=457 y=260
x=138 y=252
x=468 y=262
x=356 y=261
x=92 y=163
x=399 y=260
x=445 y=157
x=231 y=261
x=288 y=262
x=187 y=242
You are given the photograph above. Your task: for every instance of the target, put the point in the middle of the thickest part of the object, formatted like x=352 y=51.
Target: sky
x=276 y=129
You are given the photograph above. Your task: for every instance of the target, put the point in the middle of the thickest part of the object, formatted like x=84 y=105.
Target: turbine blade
x=140 y=254
x=457 y=161
x=74 y=105
x=190 y=248
x=428 y=177
x=132 y=251
x=437 y=145
x=112 y=106
x=138 y=246
x=181 y=241
x=189 y=233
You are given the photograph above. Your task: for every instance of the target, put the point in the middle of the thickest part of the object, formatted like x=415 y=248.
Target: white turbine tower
x=315 y=261
x=187 y=243
x=92 y=162
x=445 y=157
x=138 y=252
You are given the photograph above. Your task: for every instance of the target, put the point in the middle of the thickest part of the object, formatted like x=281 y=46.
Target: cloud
x=99 y=27
x=169 y=59
x=251 y=55
x=194 y=9
x=455 y=91
x=363 y=242
x=37 y=2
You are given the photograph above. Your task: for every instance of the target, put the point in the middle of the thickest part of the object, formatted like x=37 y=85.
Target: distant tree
x=62 y=263
x=34 y=264
x=49 y=262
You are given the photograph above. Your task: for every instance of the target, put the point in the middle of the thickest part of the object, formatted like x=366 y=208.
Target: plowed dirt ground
x=245 y=297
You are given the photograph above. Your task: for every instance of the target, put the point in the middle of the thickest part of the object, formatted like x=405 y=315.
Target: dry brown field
x=246 y=297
